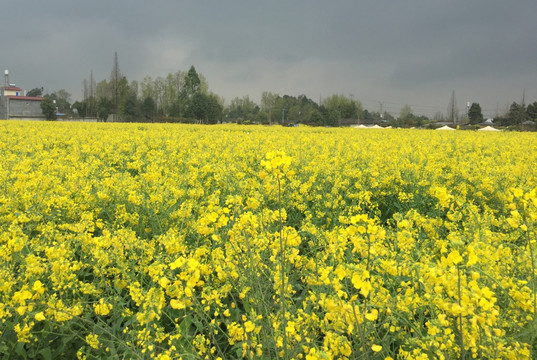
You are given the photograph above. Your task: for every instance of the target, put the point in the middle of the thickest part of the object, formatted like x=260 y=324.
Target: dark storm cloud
x=479 y=42
x=412 y=52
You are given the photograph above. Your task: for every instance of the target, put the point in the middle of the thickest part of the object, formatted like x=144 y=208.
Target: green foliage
x=204 y=108
x=36 y=92
x=290 y=109
x=341 y=107
x=406 y=117
x=474 y=114
x=243 y=109
x=61 y=100
x=192 y=82
x=129 y=107
x=81 y=108
x=104 y=107
x=49 y=108
x=149 y=108
x=517 y=114
x=532 y=111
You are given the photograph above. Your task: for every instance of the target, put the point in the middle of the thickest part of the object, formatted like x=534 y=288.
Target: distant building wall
x=20 y=107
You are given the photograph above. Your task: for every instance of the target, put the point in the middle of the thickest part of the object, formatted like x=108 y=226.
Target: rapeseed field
x=146 y=241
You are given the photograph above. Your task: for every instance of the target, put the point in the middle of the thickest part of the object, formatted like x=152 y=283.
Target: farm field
x=160 y=241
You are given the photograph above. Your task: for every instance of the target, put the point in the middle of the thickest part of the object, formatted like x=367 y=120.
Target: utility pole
x=91 y=89
x=452 y=108
x=381 y=109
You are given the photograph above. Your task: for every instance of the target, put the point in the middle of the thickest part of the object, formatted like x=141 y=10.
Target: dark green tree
x=290 y=109
x=49 y=108
x=149 y=108
x=214 y=109
x=104 y=107
x=36 y=92
x=62 y=99
x=242 y=109
x=421 y=120
x=407 y=117
x=204 y=108
x=531 y=110
x=517 y=114
x=332 y=117
x=81 y=108
x=192 y=82
x=474 y=114
x=316 y=118
x=307 y=110
x=130 y=108
x=341 y=107
x=367 y=116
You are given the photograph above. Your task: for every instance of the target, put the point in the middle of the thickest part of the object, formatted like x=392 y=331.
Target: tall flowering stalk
x=523 y=218
x=276 y=165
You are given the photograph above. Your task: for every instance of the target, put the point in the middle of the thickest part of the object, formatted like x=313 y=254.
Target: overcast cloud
x=380 y=52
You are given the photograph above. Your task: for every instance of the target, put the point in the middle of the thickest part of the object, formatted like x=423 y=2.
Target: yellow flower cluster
x=182 y=241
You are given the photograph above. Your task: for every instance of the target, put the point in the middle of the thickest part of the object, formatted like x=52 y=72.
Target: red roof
x=36 y=98
x=12 y=88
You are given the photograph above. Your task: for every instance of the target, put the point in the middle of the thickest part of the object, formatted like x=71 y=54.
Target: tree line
x=184 y=96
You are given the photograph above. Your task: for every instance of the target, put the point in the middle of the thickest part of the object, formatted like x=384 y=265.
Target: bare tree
x=85 y=89
x=90 y=101
x=452 y=110
x=115 y=78
x=92 y=95
x=267 y=101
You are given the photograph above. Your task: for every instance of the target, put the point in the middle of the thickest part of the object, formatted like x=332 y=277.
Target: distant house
x=12 y=90
x=21 y=107
x=14 y=105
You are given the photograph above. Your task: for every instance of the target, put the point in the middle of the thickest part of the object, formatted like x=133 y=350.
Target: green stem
x=282 y=270
x=533 y=285
x=364 y=305
x=461 y=336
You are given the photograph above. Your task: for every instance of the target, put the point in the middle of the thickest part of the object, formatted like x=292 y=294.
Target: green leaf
x=46 y=353
x=20 y=350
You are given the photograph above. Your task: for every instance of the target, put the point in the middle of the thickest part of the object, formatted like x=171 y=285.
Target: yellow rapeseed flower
x=102 y=308
x=93 y=340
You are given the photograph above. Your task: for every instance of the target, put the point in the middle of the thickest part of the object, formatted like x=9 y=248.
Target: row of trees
x=181 y=96
x=184 y=96
x=518 y=114
x=290 y=109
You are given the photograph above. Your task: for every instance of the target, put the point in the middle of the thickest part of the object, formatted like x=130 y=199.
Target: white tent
x=488 y=128
x=361 y=126
x=376 y=127
x=445 y=127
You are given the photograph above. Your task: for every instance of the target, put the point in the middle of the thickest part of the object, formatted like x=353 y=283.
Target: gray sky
x=383 y=53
